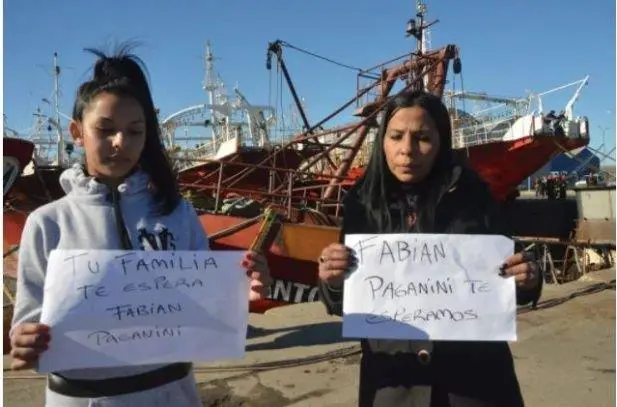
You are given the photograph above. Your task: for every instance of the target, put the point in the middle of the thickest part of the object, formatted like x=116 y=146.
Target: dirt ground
x=565 y=356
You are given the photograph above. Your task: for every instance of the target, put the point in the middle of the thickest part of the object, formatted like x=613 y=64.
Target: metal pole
x=60 y=151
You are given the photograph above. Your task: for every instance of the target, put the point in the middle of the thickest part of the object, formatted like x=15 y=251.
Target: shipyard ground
x=565 y=356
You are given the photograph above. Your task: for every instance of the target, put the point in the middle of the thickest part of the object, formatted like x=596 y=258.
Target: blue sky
x=507 y=47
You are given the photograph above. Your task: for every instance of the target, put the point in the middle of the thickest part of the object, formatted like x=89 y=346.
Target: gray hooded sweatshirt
x=85 y=219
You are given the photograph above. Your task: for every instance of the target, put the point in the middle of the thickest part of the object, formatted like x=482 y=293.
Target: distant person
x=563 y=187
x=123 y=194
x=551 y=116
x=413 y=184
x=550 y=187
x=537 y=186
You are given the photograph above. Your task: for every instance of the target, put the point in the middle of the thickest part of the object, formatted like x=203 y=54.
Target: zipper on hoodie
x=125 y=239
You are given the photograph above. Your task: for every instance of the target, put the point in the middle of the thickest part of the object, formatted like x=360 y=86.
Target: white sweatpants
x=181 y=393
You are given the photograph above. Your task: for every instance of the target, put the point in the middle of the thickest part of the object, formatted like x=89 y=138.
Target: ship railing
x=484 y=132
x=285 y=193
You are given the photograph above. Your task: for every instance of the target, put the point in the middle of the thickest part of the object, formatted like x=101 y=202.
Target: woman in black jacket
x=413 y=183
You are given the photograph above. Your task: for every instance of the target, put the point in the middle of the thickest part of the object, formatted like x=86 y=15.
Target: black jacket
x=460 y=374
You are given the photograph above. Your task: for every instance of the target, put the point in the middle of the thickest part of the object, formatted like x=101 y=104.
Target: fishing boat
x=503 y=148
x=282 y=195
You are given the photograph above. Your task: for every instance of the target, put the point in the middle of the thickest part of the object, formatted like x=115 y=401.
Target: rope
x=583 y=163
x=11 y=251
x=353 y=68
x=251 y=367
x=348 y=351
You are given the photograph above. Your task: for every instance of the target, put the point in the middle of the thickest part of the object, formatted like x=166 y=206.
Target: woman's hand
x=28 y=341
x=334 y=262
x=523 y=268
x=259 y=273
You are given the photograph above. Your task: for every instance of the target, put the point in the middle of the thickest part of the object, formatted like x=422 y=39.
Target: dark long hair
x=122 y=74
x=380 y=192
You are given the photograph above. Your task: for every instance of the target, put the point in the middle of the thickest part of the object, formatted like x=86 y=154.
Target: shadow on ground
x=218 y=393
x=595 y=288
x=325 y=333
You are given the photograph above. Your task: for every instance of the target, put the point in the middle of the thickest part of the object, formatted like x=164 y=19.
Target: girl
x=125 y=197
x=413 y=184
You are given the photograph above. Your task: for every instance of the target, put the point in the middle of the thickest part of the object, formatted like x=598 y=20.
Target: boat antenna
x=210 y=86
x=417 y=28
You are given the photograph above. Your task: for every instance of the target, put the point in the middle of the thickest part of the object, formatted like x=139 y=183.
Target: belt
x=118 y=385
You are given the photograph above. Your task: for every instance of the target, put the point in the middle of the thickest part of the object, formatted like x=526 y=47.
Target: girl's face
x=411 y=144
x=113 y=134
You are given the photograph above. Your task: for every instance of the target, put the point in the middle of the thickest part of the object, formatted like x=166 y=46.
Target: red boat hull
x=504 y=165
x=20 y=149
x=290 y=258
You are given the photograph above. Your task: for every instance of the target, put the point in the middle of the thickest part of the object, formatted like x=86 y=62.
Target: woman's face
x=113 y=135
x=411 y=144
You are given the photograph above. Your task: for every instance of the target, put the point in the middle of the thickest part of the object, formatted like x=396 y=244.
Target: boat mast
x=417 y=28
x=60 y=147
x=210 y=86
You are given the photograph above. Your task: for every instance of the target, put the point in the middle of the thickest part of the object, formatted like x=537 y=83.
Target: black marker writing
x=99 y=291
x=181 y=262
x=161 y=282
x=478 y=286
x=94 y=269
x=143 y=310
x=106 y=337
x=73 y=261
x=397 y=251
x=360 y=247
x=389 y=289
x=404 y=316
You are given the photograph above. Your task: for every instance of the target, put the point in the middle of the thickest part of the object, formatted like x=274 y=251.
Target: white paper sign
x=118 y=308
x=430 y=287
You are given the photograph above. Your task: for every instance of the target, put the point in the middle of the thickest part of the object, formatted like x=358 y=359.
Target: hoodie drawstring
x=120 y=226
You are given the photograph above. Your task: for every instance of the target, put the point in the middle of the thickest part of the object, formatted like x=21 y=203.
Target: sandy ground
x=565 y=356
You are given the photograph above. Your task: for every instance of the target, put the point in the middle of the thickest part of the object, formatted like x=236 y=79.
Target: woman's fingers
x=336 y=254
x=525 y=274
x=336 y=264
x=518 y=258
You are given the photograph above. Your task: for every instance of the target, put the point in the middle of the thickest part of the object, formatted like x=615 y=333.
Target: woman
x=414 y=184
x=124 y=197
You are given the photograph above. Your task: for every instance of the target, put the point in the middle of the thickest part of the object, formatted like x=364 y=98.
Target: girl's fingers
x=26 y=354
x=252 y=260
x=18 y=364
x=30 y=340
x=31 y=328
x=260 y=277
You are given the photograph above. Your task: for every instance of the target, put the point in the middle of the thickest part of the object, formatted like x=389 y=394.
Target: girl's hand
x=259 y=273
x=523 y=268
x=28 y=341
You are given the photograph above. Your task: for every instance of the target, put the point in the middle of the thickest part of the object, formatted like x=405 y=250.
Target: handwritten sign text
x=422 y=286
x=110 y=308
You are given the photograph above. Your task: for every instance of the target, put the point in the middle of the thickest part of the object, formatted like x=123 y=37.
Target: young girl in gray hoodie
x=125 y=197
